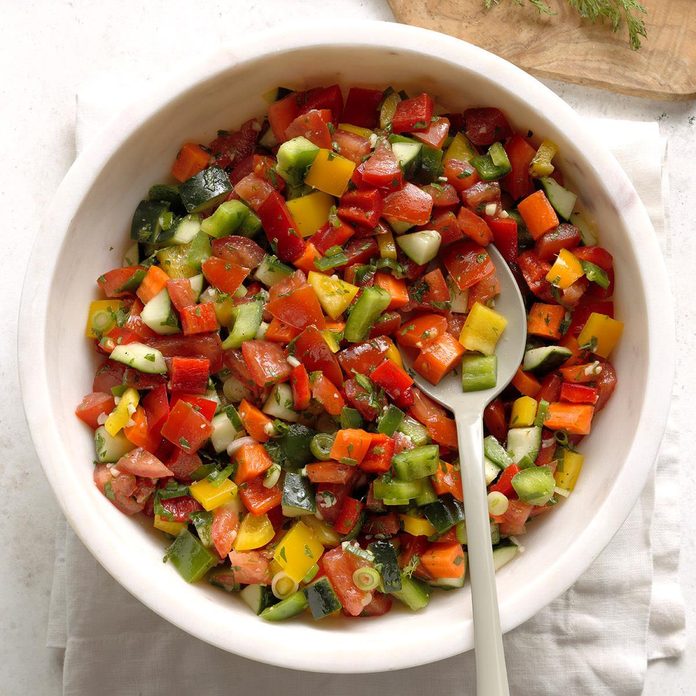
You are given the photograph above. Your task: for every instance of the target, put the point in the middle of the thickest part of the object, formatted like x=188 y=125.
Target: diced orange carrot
x=573 y=418
x=279 y=332
x=252 y=460
x=585 y=372
x=306 y=260
x=350 y=446
x=439 y=357
x=190 y=160
x=447 y=479
x=329 y=472
x=571 y=343
x=545 y=320
x=538 y=214
x=396 y=287
x=153 y=283
x=254 y=421
x=444 y=560
x=526 y=384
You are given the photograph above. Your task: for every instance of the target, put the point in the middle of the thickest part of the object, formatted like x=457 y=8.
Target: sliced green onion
x=272 y=476
x=102 y=321
x=366 y=579
x=283 y=585
x=321 y=445
x=311 y=574
x=354 y=548
x=497 y=503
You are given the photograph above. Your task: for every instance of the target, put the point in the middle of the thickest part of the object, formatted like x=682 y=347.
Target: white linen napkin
x=597 y=638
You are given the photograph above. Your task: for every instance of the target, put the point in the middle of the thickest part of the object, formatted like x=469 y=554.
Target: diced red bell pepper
x=360 y=250
x=410 y=204
x=266 y=362
x=206 y=407
x=201 y=345
x=362 y=358
x=394 y=380
x=198 y=319
x=505 y=236
x=582 y=313
x=474 y=227
x=467 y=263
x=504 y=483
x=282 y=113
x=486 y=125
x=413 y=114
x=156 y=405
x=119 y=282
x=550 y=389
x=312 y=125
x=181 y=293
x=326 y=393
x=348 y=516
x=313 y=352
x=379 y=455
x=495 y=420
x=436 y=134
x=361 y=107
x=329 y=235
x=534 y=271
x=382 y=169
x=440 y=426
x=518 y=183
x=186 y=428
x=385 y=325
x=224 y=275
x=299 y=308
x=279 y=226
x=362 y=207
x=578 y=393
x=299 y=382
x=258 y=499
x=323 y=98
x=189 y=375
x=233 y=147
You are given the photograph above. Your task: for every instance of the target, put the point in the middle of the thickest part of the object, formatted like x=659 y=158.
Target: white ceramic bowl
x=91 y=213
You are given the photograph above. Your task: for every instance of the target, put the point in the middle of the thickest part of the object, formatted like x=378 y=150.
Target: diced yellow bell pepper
x=565 y=270
x=393 y=353
x=310 y=212
x=254 y=532
x=460 y=149
x=387 y=246
x=358 y=130
x=125 y=408
x=523 y=412
x=417 y=526
x=334 y=295
x=169 y=527
x=298 y=551
x=482 y=329
x=332 y=340
x=210 y=496
x=324 y=532
x=330 y=173
x=102 y=317
x=601 y=333
x=541 y=162
x=568 y=470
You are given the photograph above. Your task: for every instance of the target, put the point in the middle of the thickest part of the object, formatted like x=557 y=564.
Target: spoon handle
x=491 y=674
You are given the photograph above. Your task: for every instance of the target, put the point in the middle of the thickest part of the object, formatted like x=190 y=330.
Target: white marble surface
x=47 y=49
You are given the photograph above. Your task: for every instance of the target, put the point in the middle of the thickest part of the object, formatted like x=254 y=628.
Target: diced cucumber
x=291 y=606
x=545 y=358
x=226 y=219
x=390 y=420
x=534 y=485
x=393 y=489
x=298 y=496
x=479 y=372
x=399 y=226
x=449 y=583
x=459 y=299
x=279 y=403
x=140 y=357
x=427 y=494
x=165 y=192
x=151 y=222
x=186 y=229
x=159 y=315
x=110 y=448
x=421 y=247
x=496 y=452
x=224 y=431
x=247 y=319
x=408 y=156
x=430 y=165
x=444 y=513
x=222 y=577
x=205 y=189
x=387 y=564
x=271 y=270
x=268 y=139
x=258 y=597
x=296 y=444
x=322 y=598
x=490 y=470
x=524 y=442
x=587 y=231
x=414 y=593
x=369 y=305
x=503 y=555
x=462 y=538
x=562 y=200
x=251 y=224
x=294 y=157
x=414 y=430
x=416 y=463
x=132 y=255
x=196 y=283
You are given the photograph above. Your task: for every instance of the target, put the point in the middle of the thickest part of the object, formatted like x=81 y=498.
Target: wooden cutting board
x=566 y=47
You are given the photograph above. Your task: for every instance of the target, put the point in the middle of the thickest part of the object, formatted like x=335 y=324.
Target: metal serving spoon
x=491 y=675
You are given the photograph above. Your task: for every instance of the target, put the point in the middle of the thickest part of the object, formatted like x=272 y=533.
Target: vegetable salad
x=252 y=398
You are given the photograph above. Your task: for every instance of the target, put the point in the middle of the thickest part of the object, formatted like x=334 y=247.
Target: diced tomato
x=460 y=174
x=504 y=232
x=242 y=251
x=380 y=605
x=326 y=393
x=368 y=404
x=190 y=374
x=382 y=526
x=486 y=125
x=224 y=275
x=513 y=521
x=252 y=189
x=121 y=489
x=198 y=346
x=224 y=528
x=186 y=428
x=504 y=483
x=257 y=498
x=180 y=509
x=266 y=168
x=120 y=282
x=467 y=263
x=199 y=319
x=362 y=207
x=312 y=125
x=436 y=133
x=109 y=374
x=240 y=171
x=351 y=145
x=382 y=169
x=206 y=407
x=279 y=226
x=550 y=388
x=339 y=566
x=605 y=383
x=448 y=227
x=299 y=382
x=360 y=250
x=582 y=314
x=142 y=380
x=439 y=425
x=596 y=255
x=485 y=290
x=348 y=516
x=251 y=567
x=413 y=114
x=299 y=308
x=410 y=204
x=118 y=336
x=182 y=464
x=429 y=292
x=323 y=98
x=362 y=107
x=329 y=235
x=181 y=293
x=495 y=420
x=94 y=405
x=534 y=271
x=562 y=237
x=266 y=362
x=518 y=183
x=232 y=147
x=442 y=195
x=329 y=472
x=474 y=227
x=140 y=462
x=385 y=325
x=478 y=196
x=329 y=499
x=379 y=455
x=282 y=113
x=313 y=352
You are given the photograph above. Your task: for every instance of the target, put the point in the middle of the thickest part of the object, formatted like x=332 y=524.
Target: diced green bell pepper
x=190 y=557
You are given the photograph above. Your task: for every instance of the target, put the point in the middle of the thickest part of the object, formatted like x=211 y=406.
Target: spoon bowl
x=491 y=674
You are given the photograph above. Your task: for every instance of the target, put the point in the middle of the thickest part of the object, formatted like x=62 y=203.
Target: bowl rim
x=654 y=409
